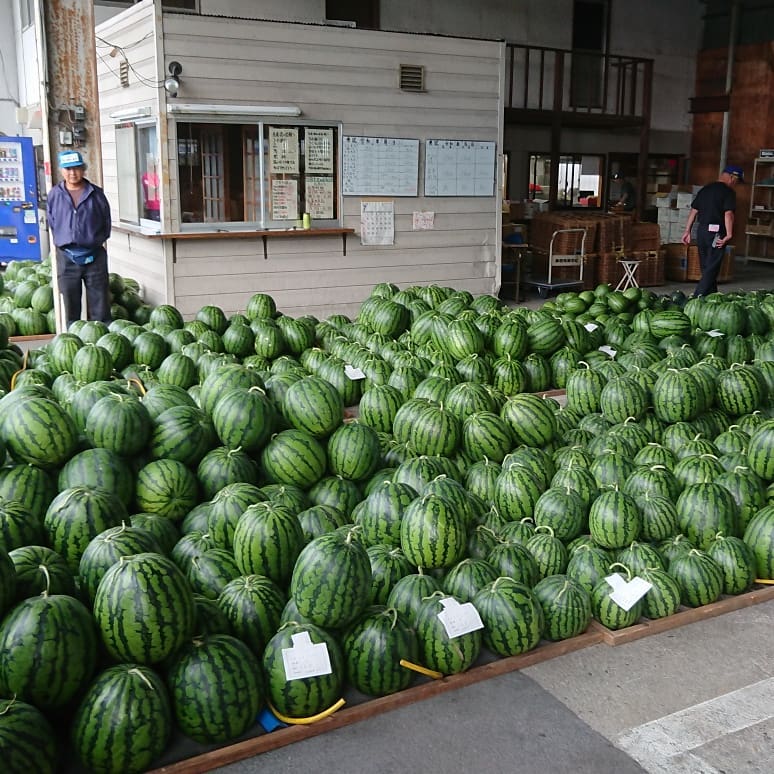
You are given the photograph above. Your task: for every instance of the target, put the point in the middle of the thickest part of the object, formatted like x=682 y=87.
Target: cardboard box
x=684 y=199
x=663 y=200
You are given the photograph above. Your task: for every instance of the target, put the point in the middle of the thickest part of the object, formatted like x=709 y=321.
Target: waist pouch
x=79 y=255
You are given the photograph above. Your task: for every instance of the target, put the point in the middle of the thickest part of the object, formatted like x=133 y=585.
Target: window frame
x=136 y=173
x=262 y=208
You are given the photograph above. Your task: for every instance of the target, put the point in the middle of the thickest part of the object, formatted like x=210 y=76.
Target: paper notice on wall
x=318 y=151
x=423 y=221
x=319 y=196
x=283 y=150
x=284 y=199
x=377 y=223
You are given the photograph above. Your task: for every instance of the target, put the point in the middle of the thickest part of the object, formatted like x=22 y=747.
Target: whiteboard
x=379 y=166
x=459 y=168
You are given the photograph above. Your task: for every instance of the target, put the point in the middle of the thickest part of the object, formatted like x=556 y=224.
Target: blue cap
x=68 y=159
x=733 y=169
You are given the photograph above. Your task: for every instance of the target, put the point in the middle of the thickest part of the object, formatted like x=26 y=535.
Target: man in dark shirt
x=627 y=200
x=713 y=210
x=79 y=220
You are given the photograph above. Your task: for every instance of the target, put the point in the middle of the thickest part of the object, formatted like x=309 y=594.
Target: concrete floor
x=698 y=699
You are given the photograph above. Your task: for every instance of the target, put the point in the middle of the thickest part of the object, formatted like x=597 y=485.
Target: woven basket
x=650 y=272
x=609 y=269
x=645 y=236
x=693 y=273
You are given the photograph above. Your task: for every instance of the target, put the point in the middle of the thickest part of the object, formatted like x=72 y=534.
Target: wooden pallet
x=683 y=616
x=282 y=737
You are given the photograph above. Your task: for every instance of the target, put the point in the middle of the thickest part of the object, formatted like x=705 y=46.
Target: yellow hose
x=305 y=721
x=422 y=670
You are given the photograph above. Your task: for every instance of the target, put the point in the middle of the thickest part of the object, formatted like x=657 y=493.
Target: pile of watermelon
x=201 y=519
x=27 y=299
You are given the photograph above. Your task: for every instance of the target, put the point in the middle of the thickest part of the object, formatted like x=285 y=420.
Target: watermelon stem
x=48 y=579
x=137 y=671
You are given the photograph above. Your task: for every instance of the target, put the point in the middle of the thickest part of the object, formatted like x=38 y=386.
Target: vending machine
x=19 y=226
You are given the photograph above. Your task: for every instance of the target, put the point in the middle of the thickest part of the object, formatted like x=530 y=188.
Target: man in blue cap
x=79 y=222
x=713 y=210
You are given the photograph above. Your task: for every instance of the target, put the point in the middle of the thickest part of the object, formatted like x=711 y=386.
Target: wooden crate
x=676 y=262
x=645 y=236
x=609 y=269
x=683 y=265
x=650 y=272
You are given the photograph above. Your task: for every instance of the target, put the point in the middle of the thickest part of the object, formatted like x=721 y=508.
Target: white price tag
x=627 y=594
x=589 y=326
x=305 y=658
x=353 y=373
x=715 y=333
x=608 y=350
x=459 y=619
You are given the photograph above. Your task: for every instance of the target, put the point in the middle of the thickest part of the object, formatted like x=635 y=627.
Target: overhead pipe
x=733 y=34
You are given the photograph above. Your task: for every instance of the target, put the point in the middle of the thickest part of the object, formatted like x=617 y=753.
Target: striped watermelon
x=588 y=564
x=663 y=598
x=294 y=457
x=302 y=697
x=224 y=378
x=388 y=566
x=378 y=407
x=40 y=570
x=530 y=419
x=614 y=519
x=513 y=560
x=77 y=515
x=19 y=526
x=740 y=390
x=516 y=492
x=244 y=418
x=759 y=536
x=124 y=720
x=435 y=432
x=512 y=616
x=699 y=577
x=432 y=532
x=225 y=509
x=48 y=650
x=252 y=605
x=216 y=688
x=104 y=550
x=607 y=611
x=676 y=396
x=92 y=363
x=210 y=571
x=221 y=467
x=39 y=431
x=27 y=739
x=166 y=487
x=144 y=608
x=438 y=650
x=353 y=451
x=331 y=580
x=99 y=468
x=164 y=530
x=486 y=435
x=760 y=450
x=408 y=593
x=267 y=541
x=563 y=510
x=566 y=607
x=373 y=648
x=319 y=519
x=703 y=510
x=182 y=433
x=119 y=422
x=313 y=405
x=737 y=561
x=467 y=578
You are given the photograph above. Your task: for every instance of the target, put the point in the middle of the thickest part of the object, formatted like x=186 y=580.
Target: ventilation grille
x=412 y=78
x=123 y=72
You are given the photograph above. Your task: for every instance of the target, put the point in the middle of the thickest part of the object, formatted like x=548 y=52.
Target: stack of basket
x=646 y=248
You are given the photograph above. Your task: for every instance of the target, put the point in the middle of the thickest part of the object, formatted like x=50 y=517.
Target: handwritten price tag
x=305 y=658
x=626 y=594
x=353 y=373
x=459 y=619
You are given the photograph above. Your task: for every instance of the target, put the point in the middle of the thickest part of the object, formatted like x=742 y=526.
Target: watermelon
x=319 y=519
x=378 y=407
x=313 y=405
x=699 y=577
x=512 y=616
x=18 y=525
x=182 y=433
x=353 y=451
x=48 y=650
x=252 y=604
x=443 y=649
x=216 y=688
x=614 y=519
x=210 y=571
x=221 y=467
x=705 y=509
x=225 y=509
x=663 y=598
x=408 y=593
x=608 y=612
x=759 y=536
x=267 y=541
x=27 y=740
x=166 y=487
x=331 y=580
x=294 y=457
x=388 y=566
x=119 y=422
x=244 y=418
x=373 y=648
x=164 y=530
x=513 y=560
x=530 y=419
x=99 y=468
x=566 y=606
x=92 y=363
x=301 y=697
x=432 y=532
x=40 y=432
x=143 y=608
x=760 y=450
x=737 y=561
x=124 y=720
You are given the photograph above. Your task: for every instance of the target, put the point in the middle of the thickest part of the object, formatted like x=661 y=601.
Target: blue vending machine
x=19 y=227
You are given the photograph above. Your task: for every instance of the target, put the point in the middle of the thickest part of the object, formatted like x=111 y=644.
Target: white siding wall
x=134 y=31
x=334 y=75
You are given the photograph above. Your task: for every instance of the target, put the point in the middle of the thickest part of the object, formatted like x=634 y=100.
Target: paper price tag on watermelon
x=608 y=350
x=590 y=326
x=353 y=373
x=715 y=333
x=626 y=594
x=305 y=658
x=459 y=619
